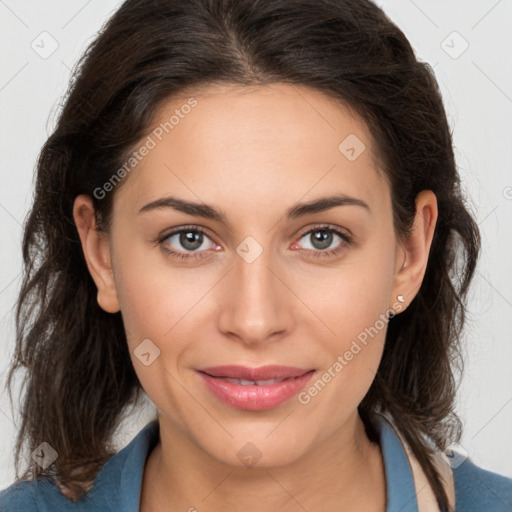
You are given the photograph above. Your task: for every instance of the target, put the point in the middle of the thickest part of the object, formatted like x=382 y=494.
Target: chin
x=258 y=451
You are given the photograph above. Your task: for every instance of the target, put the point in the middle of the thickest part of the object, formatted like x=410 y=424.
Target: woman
x=249 y=211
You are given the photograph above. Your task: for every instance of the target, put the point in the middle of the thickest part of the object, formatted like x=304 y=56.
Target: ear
x=412 y=255
x=97 y=253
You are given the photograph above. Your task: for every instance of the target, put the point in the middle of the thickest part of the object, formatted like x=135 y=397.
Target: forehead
x=258 y=143
x=286 y=112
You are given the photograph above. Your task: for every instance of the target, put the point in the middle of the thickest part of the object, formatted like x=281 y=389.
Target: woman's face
x=258 y=287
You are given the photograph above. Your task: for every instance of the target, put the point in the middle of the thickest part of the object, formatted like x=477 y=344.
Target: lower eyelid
x=181 y=254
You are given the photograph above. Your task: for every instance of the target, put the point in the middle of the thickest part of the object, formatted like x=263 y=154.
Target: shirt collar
x=401 y=492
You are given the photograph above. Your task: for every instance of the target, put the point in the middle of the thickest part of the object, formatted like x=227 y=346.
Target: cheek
x=352 y=351
x=354 y=305
x=160 y=306
x=155 y=298
x=353 y=296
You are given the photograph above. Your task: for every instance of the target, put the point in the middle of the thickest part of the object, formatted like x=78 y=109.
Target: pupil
x=191 y=240
x=324 y=238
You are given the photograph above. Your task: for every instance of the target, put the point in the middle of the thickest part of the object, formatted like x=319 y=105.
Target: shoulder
x=20 y=496
x=116 y=487
x=477 y=489
x=40 y=494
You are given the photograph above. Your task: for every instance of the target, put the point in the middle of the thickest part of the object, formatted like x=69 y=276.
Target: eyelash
x=347 y=240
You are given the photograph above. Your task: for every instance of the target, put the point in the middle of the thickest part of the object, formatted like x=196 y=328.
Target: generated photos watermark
x=143 y=150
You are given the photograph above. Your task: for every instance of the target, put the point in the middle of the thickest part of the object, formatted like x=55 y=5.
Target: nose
x=256 y=304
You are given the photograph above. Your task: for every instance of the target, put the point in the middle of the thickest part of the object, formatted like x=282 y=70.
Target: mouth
x=255 y=388
x=256 y=374
x=244 y=382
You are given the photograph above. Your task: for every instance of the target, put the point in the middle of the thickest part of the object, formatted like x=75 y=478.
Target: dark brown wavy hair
x=78 y=379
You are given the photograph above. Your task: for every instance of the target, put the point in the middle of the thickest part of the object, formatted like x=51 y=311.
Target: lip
x=255 y=397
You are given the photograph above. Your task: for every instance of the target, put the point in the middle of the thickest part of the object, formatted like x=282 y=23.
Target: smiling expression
x=258 y=231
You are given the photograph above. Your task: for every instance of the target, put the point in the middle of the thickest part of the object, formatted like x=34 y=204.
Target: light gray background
x=477 y=89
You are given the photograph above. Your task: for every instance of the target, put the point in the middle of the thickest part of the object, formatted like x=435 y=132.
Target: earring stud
x=400 y=298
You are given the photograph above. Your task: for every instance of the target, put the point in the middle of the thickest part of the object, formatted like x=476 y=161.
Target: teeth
x=244 y=382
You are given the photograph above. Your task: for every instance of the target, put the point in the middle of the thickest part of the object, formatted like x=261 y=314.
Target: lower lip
x=253 y=397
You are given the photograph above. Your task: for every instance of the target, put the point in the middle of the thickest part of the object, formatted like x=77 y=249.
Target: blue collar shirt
x=117 y=487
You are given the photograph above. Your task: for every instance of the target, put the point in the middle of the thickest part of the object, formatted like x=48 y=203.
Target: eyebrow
x=209 y=212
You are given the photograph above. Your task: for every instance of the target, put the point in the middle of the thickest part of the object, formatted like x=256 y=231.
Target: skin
x=252 y=153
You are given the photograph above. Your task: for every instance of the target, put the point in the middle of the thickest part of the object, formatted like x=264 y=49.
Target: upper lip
x=260 y=373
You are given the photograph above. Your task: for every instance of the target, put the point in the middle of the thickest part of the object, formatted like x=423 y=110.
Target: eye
x=187 y=239
x=322 y=237
x=191 y=242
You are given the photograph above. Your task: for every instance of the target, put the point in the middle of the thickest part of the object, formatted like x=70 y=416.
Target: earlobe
x=412 y=255
x=96 y=251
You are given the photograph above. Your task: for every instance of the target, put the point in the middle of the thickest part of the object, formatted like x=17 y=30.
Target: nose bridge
x=254 y=302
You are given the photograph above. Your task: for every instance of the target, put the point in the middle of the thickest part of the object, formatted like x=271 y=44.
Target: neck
x=342 y=472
